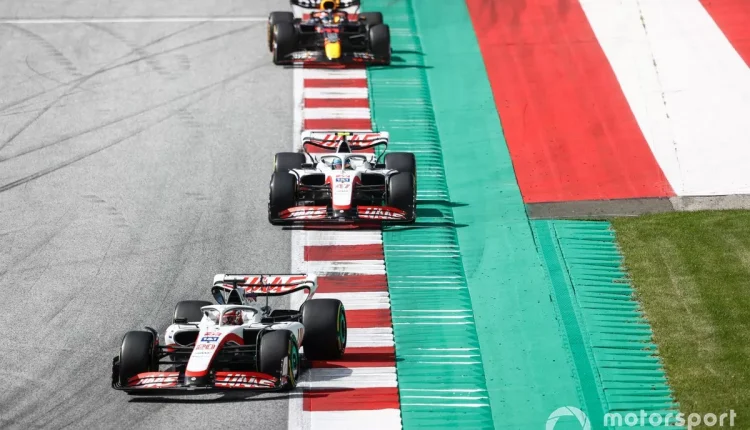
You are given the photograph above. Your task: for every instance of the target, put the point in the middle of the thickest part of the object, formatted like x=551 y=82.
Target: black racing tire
x=283 y=189
x=137 y=355
x=284 y=42
x=401 y=161
x=272 y=349
x=380 y=42
x=286 y=161
x=371 y=18
x=325 y=329
x=402 y=193
x=273 y=19
x=190 y=310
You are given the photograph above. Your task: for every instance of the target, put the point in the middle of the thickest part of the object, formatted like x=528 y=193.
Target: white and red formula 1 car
x=341 y=184
x=237 y=343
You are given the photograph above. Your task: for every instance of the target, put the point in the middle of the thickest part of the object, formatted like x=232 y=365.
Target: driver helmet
x=232 y=317
x=348 y=165
x=329 y=4
x=336 y=164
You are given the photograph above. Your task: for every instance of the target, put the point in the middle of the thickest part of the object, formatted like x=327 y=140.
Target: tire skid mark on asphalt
x=6 y=106
x=134 y=49
x=139 y=130
x=118 y=120
x=55 y=53
x=106 y=69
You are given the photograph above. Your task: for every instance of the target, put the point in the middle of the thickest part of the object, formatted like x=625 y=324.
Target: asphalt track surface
x=135 y=154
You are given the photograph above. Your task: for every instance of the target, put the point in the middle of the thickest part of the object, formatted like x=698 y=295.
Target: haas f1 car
x=237 y=343
x=341 y=184
x=329 y=35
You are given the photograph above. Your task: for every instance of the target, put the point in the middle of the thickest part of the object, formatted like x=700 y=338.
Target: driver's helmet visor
x=334 y=163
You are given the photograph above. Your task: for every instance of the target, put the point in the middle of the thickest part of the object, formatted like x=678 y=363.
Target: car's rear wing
x=253 y=285
x=315 y=4
x=331 y=140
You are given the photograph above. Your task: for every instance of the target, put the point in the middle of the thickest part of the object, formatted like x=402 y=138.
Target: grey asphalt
x=134 y=165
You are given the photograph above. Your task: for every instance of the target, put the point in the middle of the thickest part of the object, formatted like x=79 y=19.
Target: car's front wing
x=326 y=214
x=160 y=382
x=312 y=56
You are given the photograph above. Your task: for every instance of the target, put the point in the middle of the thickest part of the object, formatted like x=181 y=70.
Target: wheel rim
x=293 y=362
x=341 y=327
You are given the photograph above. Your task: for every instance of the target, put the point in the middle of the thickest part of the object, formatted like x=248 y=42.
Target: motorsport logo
x=643 y=418
x=568 y=411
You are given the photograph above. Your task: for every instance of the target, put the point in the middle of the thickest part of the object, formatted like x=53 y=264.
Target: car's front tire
x=402 y=194
x=284 y=42
x=137 y=355
x=273 y=19
x=380 y=42
x=273 y=347
x=325 y=329
x=281 y=196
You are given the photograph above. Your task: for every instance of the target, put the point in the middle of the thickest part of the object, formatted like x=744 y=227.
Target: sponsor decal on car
x=210 y=339
x=154 y=380
x=373 y=212
x=304 y=213
x=243 y=380
x=302 y=55
x=343 y=179
x=271 y=290
x=205 y=347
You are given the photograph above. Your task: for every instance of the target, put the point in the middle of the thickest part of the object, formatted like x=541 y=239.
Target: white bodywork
x=213 y=335
x=352 y=165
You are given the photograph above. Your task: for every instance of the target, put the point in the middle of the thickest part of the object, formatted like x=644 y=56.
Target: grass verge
x=691 y=272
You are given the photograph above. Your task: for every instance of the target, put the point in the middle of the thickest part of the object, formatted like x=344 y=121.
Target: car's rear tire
x=380 y=42
x=137 y=355
x=284 y=42
x=282 y=195
x=273 y=347
x=273 y=19
x=402 y=193
x=189 y=310
x=325 y=329
x=286 y=161
x=401 y=161
x=371 y=18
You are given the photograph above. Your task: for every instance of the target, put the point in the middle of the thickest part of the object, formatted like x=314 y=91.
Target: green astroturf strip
x=440 y=373
x=615 y=358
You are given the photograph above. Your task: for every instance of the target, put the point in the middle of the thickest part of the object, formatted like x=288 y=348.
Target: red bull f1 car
x=235 y=344
x=343 y=183
x=329 y=34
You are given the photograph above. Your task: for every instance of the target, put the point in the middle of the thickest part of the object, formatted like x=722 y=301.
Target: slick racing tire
x=402 y=193
x=273 y=347
x=282 y=195
x=190 y=310
x=371 y=18
x=273 y=19
x=325 y=329
x=286 y=161
x=380 y=42
x=137 y=355
x=284 y=42
x=401 y=161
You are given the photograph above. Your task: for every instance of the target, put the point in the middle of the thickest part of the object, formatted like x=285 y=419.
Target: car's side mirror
x=180 y=320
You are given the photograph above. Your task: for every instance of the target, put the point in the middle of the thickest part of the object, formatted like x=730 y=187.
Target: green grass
x=691 y=272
